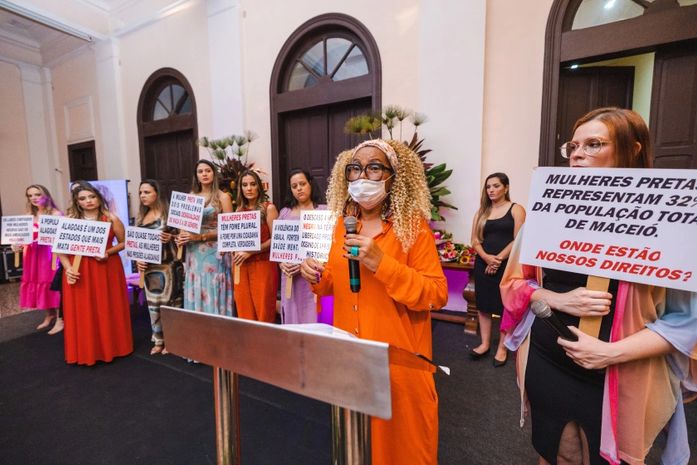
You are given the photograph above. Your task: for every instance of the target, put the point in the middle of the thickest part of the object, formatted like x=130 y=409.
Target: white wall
x=76 y=110
x=15 y=174
x=179 y=41
x=475 y=68
x=515 y=34
x=432 y=61
x=451 y=91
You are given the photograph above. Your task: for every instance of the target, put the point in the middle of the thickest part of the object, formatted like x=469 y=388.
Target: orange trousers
x=255 y=295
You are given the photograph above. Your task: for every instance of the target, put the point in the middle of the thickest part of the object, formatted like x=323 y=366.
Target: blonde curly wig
x=408 y=202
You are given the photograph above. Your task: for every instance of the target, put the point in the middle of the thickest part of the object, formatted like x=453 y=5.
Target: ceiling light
x=609 y=4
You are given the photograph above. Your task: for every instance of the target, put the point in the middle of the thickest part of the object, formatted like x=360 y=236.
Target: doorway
x=584 y=32
x=583 y=89
x=82 y=160
x=327 y=71
x=168 y=131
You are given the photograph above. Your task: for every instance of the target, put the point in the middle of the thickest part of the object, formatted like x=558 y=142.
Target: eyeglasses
x=590 y=147
x=373 y=171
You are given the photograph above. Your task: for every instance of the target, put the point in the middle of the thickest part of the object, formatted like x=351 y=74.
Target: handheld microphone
x=350 y=224
x=542 y=310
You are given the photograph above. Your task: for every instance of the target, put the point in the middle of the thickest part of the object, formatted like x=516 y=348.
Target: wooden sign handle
x=141 y=281
x=289 y=286
x=17 y=257
x=76 y=263
x=237 y=274
x=591 y=324
x=53 y=262
x=180 y=249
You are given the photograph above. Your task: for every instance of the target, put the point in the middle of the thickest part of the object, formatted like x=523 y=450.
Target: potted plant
x=392 y=118
x=231 y=155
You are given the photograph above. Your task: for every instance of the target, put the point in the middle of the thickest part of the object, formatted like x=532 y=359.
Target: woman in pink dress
x=37 y=274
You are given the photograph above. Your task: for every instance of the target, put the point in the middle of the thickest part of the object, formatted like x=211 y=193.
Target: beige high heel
x=58 y=327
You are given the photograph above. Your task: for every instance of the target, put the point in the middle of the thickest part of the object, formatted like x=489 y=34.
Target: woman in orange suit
x=255 y=293
x=382 y=184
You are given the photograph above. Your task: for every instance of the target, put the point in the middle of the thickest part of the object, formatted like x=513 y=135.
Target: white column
x=112 y=159
x=40 y=123
x=225 y=56
x=451 y=90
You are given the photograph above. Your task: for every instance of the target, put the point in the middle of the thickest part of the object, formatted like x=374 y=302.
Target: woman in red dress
x=95 y=300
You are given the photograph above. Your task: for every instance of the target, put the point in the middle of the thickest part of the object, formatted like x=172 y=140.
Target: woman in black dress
x=495 y=226
x=603 y=399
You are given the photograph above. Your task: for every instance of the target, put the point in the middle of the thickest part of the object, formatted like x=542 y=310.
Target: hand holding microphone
x=544 y=312
x=351 y=226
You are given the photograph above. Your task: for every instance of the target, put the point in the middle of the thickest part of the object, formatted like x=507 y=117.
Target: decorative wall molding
x=79 y=120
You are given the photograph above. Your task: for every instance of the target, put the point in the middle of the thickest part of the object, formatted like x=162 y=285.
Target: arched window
x=331 y=58
x=588 y=31
x=172 y=100
x=167 y=130
x=327 y=71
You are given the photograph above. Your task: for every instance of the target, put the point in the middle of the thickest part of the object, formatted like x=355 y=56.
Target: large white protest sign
x=48 y=226
x=635 y=225
x=186 y=211
x=285 y=242
x=17 y=230
x=239 y=231
x=81 y=237
x=144 y=245
x=316 y=230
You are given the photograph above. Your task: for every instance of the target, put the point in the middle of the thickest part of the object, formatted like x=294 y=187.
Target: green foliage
x=363 y=124
x=230 y=155
x=390 y=117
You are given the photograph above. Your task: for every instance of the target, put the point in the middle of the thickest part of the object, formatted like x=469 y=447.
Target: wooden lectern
x=349 y=373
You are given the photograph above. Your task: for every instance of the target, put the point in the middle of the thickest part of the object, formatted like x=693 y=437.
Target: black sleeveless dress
x=498 y=234
x=559 y=390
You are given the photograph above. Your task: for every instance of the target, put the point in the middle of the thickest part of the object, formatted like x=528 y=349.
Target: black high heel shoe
x=476 y=355
x=500 y=363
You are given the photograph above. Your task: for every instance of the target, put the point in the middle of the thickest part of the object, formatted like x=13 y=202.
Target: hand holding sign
x=81 y=238
x=48 y=225
x=285 y=249
x=316 y=230
x=145 y=246
x=17 y=230
x=186 y=214
x=617 y=223
x=239 y=232
x=316 y=233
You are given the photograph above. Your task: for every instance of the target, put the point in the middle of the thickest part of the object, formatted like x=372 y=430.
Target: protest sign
x=316 y=230
x=48 y=226
x=285 y=242
x=186 y=211
x=144 y=245
x=81 y=237
x=635 y=225
x=17 y=230
x=239 y=231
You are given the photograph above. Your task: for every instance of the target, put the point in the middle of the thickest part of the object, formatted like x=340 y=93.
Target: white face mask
x=368 y=194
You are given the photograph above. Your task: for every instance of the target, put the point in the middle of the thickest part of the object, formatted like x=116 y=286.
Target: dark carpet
x=146 y=409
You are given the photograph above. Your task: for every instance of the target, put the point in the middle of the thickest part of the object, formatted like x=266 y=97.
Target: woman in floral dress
x=207 y=282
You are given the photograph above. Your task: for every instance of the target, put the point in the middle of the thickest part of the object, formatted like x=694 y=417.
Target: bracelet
x=203 y=238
